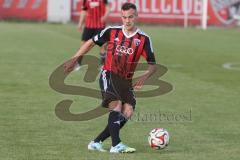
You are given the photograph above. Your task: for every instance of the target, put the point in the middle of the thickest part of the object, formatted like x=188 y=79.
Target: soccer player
x=94 y=14
x=125 y=45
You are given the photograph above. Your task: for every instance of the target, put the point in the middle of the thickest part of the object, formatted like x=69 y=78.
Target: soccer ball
x=158 y=138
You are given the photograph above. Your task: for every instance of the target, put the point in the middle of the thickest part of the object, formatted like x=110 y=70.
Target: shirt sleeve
x=148 y=53
x=102 y=37
x=84 y=5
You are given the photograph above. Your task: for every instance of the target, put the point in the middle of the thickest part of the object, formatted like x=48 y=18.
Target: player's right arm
x=69 y=65
x=98 y=39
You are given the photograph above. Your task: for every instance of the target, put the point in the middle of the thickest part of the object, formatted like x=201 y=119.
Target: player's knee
x=115 y=106
x=127 y=111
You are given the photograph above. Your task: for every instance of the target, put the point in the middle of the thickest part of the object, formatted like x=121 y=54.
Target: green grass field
x=30 y=130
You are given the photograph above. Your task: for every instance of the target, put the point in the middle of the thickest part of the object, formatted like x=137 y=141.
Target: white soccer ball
x=158 y=138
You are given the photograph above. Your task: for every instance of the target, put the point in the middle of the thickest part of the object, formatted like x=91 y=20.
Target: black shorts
x=114 y=88
x=88 y=33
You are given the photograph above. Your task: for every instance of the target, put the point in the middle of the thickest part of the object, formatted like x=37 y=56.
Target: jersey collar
x=131 y=35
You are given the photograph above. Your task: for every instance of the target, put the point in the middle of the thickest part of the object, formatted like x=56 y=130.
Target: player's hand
x=139 y=83
x=70 y=64
x=80 y=27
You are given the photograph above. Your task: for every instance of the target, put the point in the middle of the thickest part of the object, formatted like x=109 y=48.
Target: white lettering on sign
x=176 y=9
x=144 y=7
x=187 y=6
x=198 y=6
x=162 y=7
x=7 y=3
x=22 y=4
x=165 y=8
x=154 y=7
x=137 y=3
x=36 y=4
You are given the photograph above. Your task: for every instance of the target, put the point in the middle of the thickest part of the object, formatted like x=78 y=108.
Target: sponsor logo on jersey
x=94 y=4
x=124 y=50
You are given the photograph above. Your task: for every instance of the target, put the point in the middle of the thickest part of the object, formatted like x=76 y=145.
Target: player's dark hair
x=126 y=6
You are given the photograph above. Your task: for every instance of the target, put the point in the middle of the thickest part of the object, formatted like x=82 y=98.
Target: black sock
x=105 y=133
x=114 y=122
x=114 y=127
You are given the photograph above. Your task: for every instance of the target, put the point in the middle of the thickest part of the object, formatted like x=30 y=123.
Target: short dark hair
x=126 y=6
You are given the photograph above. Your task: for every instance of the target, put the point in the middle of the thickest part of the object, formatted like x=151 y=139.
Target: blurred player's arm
x=81 y=20
x=82 y=15
x=107 y=12
x=69 y=65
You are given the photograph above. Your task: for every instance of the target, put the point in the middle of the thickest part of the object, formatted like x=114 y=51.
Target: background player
x=93 y=17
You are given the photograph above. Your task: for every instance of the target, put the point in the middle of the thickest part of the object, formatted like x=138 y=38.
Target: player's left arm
x=148 y=54
x=141 y=80
x=107 y=11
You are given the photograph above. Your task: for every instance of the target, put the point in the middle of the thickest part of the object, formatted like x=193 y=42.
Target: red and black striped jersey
x=123 y=51
x=95 y=9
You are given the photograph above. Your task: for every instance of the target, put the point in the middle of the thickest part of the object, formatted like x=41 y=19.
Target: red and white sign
x=23 y=9
x=220 y=12
x=162 y=11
